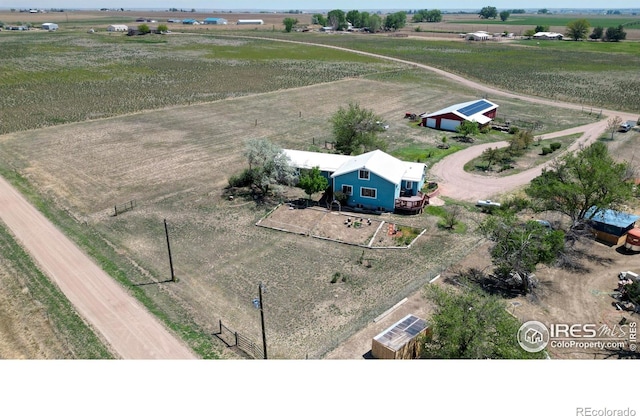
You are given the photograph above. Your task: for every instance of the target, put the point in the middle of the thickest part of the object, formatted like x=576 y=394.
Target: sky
x=317 y=4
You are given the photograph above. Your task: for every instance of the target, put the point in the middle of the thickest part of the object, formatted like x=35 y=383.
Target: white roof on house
x=308 y=160
x=384 y=165
x=470 y=110
x=481 y=34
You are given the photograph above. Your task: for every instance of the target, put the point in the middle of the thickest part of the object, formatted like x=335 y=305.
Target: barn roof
x=470 y=110
x=403 y=331
x=612 y=217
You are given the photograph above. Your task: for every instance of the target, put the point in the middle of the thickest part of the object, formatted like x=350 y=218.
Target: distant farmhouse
x=215 y=21
x=117 y=28
x=479 y=111
x=190 y=22
x=373 y=181
x=479 y=35
x=548 y=36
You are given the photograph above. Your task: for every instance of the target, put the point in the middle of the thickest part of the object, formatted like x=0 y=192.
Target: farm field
x=175 y=164
x=596 y=75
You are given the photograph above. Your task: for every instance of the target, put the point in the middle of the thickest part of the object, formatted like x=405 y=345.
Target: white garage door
x=449 y=125
x=431 y=122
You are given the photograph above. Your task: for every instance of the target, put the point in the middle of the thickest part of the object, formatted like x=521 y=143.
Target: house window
x=347 y=189
x=409 y=185
x=364 y=175
x=368 y=192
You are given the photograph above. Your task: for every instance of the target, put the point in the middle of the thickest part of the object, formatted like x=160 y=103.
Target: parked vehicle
x=487 y=204
x=626 y=126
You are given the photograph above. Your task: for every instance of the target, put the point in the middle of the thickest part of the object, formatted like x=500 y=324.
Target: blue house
x=373 y=181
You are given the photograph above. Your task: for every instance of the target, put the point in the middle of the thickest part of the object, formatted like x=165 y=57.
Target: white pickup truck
x=487 y=203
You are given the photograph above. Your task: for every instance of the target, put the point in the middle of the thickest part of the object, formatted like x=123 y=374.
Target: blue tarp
x=613 y=217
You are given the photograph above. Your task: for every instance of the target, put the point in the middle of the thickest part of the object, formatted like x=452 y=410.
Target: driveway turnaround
x=128 y=328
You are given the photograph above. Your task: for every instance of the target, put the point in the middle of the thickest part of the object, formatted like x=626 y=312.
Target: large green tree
x=289 y=23
x=488 y=12
x=578 y=29
x=425 y=15
x=312 y=181
x=504 y=15
x=471 y=325
x=375 y=23
x=337 y=19
x=269 y=166
x=395 y=21
x=581 y=184
x=355 y=18
x=355 y=130
x=615 y=34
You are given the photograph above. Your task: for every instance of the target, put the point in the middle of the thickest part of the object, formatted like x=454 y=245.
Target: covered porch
x=413 y=204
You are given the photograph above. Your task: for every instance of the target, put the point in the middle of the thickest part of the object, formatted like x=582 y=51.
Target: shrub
x=513 y=130
x=335 y=278
x=546 y=150
x=341 y=197
x=555 y=146
x=243 y=179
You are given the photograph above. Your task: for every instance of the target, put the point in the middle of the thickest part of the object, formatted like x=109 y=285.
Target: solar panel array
x=475 y=108
x=396 y=336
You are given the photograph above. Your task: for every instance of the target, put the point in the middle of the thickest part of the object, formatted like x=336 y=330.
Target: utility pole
x=264 y=335
x=166 y=232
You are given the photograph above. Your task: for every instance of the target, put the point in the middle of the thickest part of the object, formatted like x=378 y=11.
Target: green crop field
x=594 y=76
x=555 y=20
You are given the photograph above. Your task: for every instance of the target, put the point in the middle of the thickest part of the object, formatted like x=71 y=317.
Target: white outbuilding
x=117 y=28
x=49 y=26
x=250 y=22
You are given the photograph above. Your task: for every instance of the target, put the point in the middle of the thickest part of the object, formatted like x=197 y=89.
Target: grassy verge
x=95 y=246
x=80 y=341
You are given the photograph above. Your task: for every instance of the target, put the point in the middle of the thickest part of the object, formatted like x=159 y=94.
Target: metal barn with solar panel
x=479 y=111
x=400 y=341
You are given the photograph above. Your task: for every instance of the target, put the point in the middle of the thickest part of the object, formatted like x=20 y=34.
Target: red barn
x=479 y=111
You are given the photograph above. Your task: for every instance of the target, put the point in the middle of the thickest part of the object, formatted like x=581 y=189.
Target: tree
x=488 y=12
x=268 y=165
x=319 y=19
x=395 y=21
x=355 y=130
x=580 y=185
x=520 y=248
x=162 y=28
x=312 y=181
x=614 y=34
x=529 y=33
x=337 y=19
x=541 y=28
x=578 y=29
x=597 y=33
x=289 y=23
x=468 y=128
x=375 y=23
x=491 y=155
x=144 y=29
x=543 y=11
x=471 y=325
x=613 y=124
x=504 y=15
x=425 y=15
x=354 y=17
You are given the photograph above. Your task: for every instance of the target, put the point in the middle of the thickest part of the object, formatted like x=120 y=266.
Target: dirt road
x=129 y=329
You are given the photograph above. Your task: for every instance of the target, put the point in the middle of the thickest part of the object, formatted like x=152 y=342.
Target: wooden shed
x=400 y=340
x=611 y=226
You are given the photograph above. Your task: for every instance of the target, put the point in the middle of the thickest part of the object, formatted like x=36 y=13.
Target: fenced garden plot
x=341 y=227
